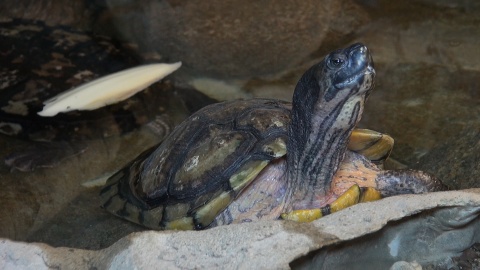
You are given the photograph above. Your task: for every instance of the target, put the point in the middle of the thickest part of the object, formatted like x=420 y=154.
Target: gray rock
x=431 y=238
x=276 y=244
x=233 y=38
x=402 y=265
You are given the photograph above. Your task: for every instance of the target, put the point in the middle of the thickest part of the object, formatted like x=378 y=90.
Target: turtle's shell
x=202 y=166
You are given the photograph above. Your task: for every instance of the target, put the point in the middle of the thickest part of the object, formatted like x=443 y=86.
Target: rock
x=419 y=106
x=430 y=239
x=430 y=41
x=470 y=258
x=276 y=244
x=427 y=93
x=464 y=5
x=233 y=38
x=456 y=160
x=402 y=265
x=66 y=12
x=30 y=200
x=427 y=88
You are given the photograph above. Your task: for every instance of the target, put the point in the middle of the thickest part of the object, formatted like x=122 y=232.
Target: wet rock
x=457 y=160
x=427 y=84
x=276 y=244
x=31 y=200
x=466 y=5
x=66 y=12
x=420 y=37
x=470 y=258
x=83 y=224
x=233 y=39
x=419 y=106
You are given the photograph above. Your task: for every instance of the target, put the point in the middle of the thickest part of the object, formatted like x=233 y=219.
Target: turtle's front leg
x=355 y=194
x=374 y=145
x=388 y=183
x=396 y=182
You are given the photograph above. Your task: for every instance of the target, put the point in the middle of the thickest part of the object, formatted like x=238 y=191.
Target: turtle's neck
x=322 y=119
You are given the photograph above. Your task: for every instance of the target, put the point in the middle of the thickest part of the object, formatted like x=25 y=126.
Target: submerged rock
x=457 y=160
x=419 y=106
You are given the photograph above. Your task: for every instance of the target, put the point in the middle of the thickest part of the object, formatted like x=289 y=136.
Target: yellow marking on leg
x=352 y=196
x=303 y=215
x=349 y=198
x=369 y=194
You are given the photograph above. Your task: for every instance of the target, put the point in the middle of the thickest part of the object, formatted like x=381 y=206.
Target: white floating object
x=108 y=89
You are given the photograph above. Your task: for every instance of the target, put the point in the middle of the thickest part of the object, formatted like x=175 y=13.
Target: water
x=427 y=56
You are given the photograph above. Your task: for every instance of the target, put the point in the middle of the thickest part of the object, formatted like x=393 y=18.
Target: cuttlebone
x=109 y=89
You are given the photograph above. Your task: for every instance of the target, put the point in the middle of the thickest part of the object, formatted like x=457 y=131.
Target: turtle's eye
x=336 y=61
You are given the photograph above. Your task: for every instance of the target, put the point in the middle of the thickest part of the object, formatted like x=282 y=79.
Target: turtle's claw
x=374 y=145
x=352 y=196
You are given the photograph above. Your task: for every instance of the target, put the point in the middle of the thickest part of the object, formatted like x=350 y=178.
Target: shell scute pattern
x=183 y=175
x=184 y=167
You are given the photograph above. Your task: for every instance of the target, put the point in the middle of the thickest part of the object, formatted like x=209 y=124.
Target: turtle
x=247 y=160
x=40 y=61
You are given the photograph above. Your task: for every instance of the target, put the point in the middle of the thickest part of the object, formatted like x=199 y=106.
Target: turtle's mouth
x=359 y=71
x=358 y=79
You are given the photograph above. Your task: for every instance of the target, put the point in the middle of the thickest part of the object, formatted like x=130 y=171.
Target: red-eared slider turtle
x=256 y=159
x=40 y=61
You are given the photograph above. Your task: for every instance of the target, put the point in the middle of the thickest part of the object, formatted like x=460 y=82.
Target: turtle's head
x=341 y=74
x=327 y=104
x=350 y=69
